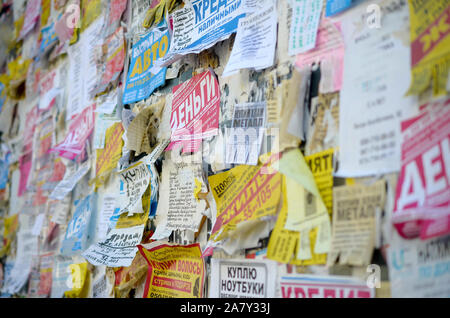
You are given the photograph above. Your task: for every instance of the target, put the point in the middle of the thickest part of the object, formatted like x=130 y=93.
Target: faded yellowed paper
x=354 y=209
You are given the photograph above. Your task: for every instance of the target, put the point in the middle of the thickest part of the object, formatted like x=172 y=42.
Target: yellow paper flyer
x=136 y=219
x=175 y=271
x=243 y=193
x=108 y=157
x=284 y=243
x=10 y=227
x=91 y=11
x=306 y=209
x=321 y=165
x=430 y=45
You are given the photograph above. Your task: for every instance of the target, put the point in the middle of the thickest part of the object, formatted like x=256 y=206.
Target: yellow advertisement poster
x=11 y=225
x=108 y=157
x=243 y=193
x=430 y=45
x=284 y=244
x=175 y=271
x=91 y=11
x=46 y=8
x=321 y=165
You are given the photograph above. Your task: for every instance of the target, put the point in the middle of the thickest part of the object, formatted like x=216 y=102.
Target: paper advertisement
x=243 y=193
x=292 y=246
x=355 y=209
x=244 y=138
x=430 y=45
x=68 y=183
x=59 y=210
x=237 y=278
x=61 y=274
x=141 y=82
x=106 y=212
x=422 y=201
x=80 y=281
x=31 y=16
x=369 y=142
x=79 y=230
x=45 y=270
x=82 y=74
x=134 y=181
x=49 y=37
x=118 y=249
x=103 y=122
x=175 y=271
x=80 y=129
x=108 y=102
x=419 y=269
x=314 y=286
x=254 y=46
x=323 y=124
x=27 y=245
x=110 y=65
x=336 y=6
x=329 y=52
x=321 y=165
x=108 y=157
x=178 y=183
x=200 y=24
x=195 y=111
x=305 y=208
x=25 y=163
x=304 y=25
x=48 y=89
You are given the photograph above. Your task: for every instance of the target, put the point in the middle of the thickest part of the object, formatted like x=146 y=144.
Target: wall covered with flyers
x=224 y=148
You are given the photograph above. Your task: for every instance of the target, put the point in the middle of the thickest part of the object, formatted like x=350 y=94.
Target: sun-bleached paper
x=372 y=99
x=254 y=45
x=68 y=183
x=244 y=138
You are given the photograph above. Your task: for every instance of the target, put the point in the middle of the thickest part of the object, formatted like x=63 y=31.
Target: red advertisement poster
x=45 y=269
x=422 y=202
x=48 y=90
x=314 y=286
x=79 y=131
x=32 y=13
x=174 y=271
x=195 y=111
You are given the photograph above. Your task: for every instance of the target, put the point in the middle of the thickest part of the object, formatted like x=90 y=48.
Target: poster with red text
x=48 y=89
x=422 y=202
x=174 y=271
x=313 y=286
x=195 y=111
x=80 y=129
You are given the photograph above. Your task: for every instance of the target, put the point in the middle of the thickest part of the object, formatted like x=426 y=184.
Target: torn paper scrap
x=354 y=209
x=134 y=181
x=244 y=138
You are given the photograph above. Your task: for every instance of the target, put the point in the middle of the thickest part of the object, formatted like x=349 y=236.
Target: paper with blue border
x=141 y=83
